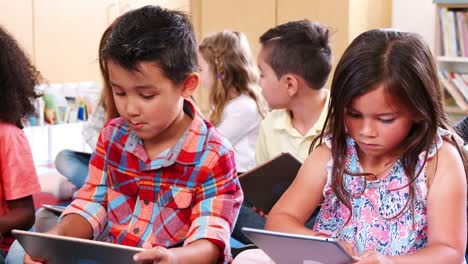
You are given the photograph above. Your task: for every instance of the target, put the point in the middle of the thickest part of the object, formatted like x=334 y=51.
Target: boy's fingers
x=28 y=260
x=147 y=245
x=150 y=254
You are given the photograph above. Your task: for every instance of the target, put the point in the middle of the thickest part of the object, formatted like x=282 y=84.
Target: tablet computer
x=264 y=184
x=62 y=249
x=55 y=208
x=298 y=249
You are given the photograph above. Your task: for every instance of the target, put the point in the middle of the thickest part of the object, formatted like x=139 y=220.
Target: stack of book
x=456 y=85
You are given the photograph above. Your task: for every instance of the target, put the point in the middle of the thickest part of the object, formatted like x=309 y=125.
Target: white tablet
x=61 y=249
x=285 y=248
x=54 y=208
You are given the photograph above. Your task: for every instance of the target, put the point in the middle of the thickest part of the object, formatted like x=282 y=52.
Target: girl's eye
x=119 y=93
x=353 y=115
x=147 y=97
x=387 y=121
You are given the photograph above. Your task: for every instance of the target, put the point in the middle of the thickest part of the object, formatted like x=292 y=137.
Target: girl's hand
x=160 y=255
x=349 y=249
x=373 y=257
x=259 y=212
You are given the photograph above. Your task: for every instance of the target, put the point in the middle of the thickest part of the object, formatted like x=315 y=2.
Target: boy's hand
x=28 y=260
x=160 y=255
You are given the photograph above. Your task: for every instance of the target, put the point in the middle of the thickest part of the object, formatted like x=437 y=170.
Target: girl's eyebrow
x=350 y=108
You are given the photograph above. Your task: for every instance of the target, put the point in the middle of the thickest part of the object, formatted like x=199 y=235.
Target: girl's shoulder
x=8 y=130
x=242 y=102
x=320 y=156
x=447 y=156
x=442 y=143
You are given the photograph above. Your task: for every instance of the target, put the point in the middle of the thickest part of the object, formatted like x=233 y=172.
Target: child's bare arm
x=446 y=211
x=200 y=251
x=73 y=225
x=304 y=195
x=21 y=215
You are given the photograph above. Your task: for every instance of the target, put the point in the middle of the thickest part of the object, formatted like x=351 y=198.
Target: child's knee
x=45 y=220
x=253 y=256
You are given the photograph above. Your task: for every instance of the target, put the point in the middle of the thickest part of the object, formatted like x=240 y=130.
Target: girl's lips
x=369 y=146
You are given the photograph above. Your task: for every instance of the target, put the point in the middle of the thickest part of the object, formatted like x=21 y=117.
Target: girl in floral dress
x=389 y=174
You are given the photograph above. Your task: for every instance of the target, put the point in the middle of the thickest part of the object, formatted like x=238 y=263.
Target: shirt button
x=146 y=201
x=136 y=230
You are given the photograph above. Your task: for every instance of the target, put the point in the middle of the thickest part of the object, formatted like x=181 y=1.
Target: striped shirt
x=186 y=193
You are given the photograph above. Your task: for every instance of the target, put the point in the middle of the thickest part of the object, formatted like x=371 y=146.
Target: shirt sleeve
x=217 y=204
x=91 y=200
x=261 y=153
x=18 y=173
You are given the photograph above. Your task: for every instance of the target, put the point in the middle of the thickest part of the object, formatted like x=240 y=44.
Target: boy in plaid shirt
x=161 y=176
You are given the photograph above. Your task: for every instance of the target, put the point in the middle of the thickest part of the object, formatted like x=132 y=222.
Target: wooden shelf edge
x=455 y=110
x=452 y=59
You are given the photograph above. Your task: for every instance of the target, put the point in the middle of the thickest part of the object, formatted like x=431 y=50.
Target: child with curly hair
x=18 y=178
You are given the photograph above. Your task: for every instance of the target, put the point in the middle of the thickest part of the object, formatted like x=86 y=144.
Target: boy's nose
x=132 y=109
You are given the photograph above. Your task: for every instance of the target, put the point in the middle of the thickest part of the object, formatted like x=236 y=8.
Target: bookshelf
x=451 y=48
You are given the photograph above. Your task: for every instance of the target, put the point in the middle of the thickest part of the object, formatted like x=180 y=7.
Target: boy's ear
x=291 y=84
x=190 y=84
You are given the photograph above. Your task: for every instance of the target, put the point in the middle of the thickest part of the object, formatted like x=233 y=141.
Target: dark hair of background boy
x=154 y=34
x=299 y=47
x=18 y=77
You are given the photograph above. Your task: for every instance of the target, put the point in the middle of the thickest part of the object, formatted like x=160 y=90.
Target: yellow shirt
x=277 y=135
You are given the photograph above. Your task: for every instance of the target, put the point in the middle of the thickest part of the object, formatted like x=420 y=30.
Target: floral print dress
x=377 y=222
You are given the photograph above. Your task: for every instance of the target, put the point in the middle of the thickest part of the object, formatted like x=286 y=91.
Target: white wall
x=416 y=16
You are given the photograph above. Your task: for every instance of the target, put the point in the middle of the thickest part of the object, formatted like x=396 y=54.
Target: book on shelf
x=456 y=86
x=454 y=31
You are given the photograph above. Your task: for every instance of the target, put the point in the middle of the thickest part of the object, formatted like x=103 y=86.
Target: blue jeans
x=248 y=218
x=73 y=165
x=15 y=254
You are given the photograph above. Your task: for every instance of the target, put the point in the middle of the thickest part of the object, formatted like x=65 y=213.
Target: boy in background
x=160 y=176
x=295 y=60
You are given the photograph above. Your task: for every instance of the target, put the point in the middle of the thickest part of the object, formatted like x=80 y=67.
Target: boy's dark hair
x=18 y=77
x=299 y=47
x=153 y=34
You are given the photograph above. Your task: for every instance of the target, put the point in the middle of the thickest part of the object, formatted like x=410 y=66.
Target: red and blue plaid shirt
x=186 y=193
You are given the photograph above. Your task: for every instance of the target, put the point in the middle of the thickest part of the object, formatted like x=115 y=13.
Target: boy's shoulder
x=214 y=138
x=278 y=118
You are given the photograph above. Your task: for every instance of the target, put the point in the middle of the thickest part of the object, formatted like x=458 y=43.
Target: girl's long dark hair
x=403 y=64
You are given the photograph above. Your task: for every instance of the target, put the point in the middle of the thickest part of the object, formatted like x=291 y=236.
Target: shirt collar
x=283 y=121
